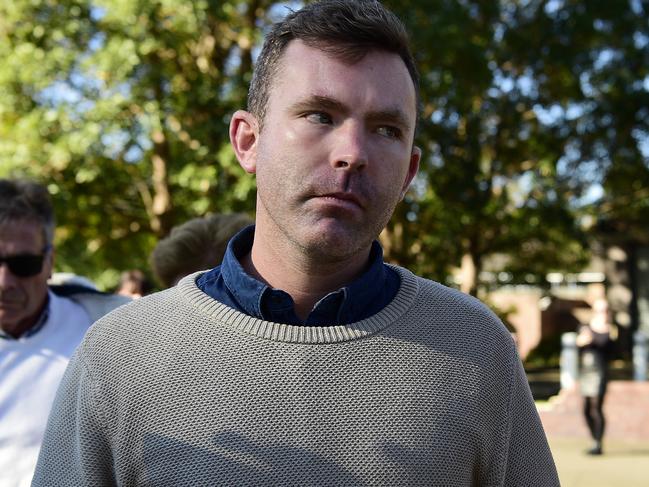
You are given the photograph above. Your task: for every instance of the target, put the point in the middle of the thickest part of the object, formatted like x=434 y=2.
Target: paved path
x=626 y=408
x=625 y=463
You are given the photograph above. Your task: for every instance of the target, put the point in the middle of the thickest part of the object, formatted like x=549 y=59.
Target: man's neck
x=305 y=279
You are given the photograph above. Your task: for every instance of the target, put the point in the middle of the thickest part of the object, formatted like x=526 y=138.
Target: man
x=303 y=359
x=39 y=329
x=195 y=245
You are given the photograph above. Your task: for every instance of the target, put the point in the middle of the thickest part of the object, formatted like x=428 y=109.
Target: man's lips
x=10 y=300
x=11 y=305
x=345 y=199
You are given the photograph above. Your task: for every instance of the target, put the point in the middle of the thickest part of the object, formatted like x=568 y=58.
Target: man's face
x=22 y=298
x=335 y=153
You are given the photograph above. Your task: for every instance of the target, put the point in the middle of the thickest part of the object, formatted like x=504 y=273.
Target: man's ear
x=413 y=167
x=244 y=135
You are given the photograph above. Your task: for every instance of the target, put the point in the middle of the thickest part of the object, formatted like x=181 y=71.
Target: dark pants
x=594 y=413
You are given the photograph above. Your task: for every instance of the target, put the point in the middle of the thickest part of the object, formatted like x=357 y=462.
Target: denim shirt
x=231 y=285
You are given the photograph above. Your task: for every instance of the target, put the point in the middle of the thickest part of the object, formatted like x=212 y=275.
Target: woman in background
x=594 y=342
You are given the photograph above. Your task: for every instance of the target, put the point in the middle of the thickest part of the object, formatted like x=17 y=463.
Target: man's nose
x=350 y=147
x=6 y=276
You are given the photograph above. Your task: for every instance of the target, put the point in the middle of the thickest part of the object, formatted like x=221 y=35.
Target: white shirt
x=30 y=371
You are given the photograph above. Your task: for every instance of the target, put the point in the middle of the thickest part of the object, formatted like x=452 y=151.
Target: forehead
x=378 y=81
x=21 y=237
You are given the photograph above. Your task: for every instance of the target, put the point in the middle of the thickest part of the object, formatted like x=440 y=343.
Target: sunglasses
x=25 y=265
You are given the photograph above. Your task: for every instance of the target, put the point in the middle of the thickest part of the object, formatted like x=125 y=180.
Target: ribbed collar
x=363 y=297
x=244 y=323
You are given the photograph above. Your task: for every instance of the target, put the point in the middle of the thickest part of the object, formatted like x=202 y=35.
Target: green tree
x=591 y=72
x=122 y=108
x=491 y=180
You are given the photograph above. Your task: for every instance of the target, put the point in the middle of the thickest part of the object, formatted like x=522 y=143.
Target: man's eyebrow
x=315 y=102
x=394 y=116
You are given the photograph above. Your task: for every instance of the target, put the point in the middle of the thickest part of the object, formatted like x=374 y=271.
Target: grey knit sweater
x=177 y=389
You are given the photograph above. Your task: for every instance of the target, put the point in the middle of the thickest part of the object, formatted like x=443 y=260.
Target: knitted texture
x=178 y=389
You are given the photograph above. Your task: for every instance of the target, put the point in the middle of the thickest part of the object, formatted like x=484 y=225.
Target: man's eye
x=387 y=131
x=318 y=117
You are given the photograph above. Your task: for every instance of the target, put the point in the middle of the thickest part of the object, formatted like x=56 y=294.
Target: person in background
x=304 y=359
x=196 y=245
x=594 y=342
x=40 y=325
x=134 y=284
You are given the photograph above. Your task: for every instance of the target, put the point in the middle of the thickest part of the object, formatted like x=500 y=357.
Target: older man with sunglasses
x=39 y=329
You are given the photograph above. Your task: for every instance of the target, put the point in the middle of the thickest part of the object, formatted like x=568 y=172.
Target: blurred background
x=533 y=192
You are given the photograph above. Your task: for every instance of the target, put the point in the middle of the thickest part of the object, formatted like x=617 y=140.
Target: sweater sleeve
x=528 y=460
x=75 y=448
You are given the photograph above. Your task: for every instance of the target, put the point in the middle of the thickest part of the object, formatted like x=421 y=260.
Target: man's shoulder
x=433 y=293
x=445 y=295
x=143 y=308
x=144 y=318
x=451 y=313
x=96 y=304
x=144 y=333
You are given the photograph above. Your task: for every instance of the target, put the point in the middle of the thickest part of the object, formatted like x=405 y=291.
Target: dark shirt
x=231 y=285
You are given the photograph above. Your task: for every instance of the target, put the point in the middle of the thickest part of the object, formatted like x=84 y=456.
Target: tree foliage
x=526 y=106
x=122 y=107
x=592 y=73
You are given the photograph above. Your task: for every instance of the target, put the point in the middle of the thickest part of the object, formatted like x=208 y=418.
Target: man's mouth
x=343 y=199
x=9 y=310
x=11 y=303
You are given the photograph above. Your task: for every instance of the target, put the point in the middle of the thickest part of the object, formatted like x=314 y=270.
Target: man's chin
x=336 y=243
x=8 y=323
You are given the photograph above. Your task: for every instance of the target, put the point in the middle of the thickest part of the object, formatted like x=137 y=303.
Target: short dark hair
x=348 y=29
x=23 y=200
x=195 y=245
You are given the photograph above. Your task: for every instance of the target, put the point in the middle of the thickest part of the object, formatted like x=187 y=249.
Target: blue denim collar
x=247 y=290
x=363 y=297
